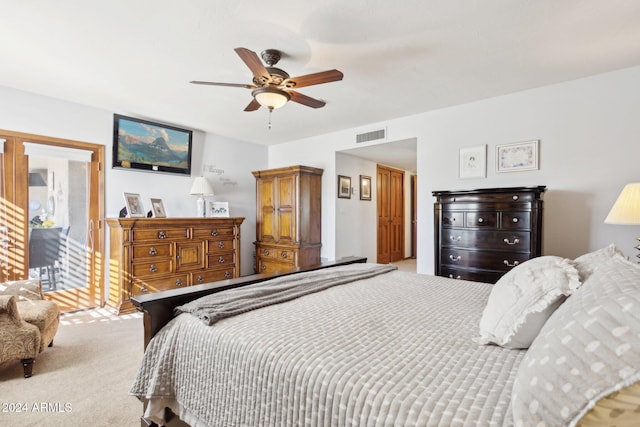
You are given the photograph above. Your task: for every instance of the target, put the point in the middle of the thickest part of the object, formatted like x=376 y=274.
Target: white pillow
x=588 y=263
x=587 y=350
x=524 y=298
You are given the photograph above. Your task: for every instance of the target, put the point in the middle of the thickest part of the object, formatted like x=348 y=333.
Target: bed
x=367 y=345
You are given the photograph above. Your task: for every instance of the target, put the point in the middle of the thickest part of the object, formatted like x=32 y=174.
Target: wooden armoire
x=287 y=218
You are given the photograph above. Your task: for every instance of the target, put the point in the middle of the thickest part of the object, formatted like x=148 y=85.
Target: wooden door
x=75 y=279
x=286 y=209
x=414 y=216
x=390 y=188
x=267 y=210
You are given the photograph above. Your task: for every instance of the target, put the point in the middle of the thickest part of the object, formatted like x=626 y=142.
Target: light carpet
x=84 y=379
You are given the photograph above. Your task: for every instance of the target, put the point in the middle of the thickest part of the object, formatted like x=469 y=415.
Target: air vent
x=371 y=136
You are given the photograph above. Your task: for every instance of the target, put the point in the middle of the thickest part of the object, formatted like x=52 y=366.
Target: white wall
x=229 y=161
x=588 y=131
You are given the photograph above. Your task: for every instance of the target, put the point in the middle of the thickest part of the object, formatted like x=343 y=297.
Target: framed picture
x=134 y=205
x=519 y=156
x=473 y=162
x=365 y=187
x=148 y=146
x=158 y=208
x=344 y=187
x=219 y=209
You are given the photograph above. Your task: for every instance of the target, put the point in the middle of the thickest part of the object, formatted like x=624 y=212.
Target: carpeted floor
x=84 y=379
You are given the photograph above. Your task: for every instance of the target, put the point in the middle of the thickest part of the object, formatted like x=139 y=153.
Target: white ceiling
x=136 y=57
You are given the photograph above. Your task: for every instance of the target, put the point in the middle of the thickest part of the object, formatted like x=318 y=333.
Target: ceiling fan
x=273 y=87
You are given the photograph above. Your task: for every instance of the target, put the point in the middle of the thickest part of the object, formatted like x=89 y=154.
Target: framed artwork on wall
x=344 y=187
x=519 y=156
x=473 y=162
x=365 y=187
x=134 y=205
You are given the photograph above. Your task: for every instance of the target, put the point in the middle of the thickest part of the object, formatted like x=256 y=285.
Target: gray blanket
x=215 y=307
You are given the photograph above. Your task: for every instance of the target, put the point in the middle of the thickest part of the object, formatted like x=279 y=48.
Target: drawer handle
x=515 y=241
x=162 y=235
x=153 y=268
x=452 y=258
x=152 y=251
x=200 y=279
x=510 y=265
x=451 y=277
x=144 y=288
x=179 y=282
x=221 y=245
x=454 y=238
x=221 y=260
x=515 y=220
x=283 y=254
x=480 y=220
x=214 y=233
x=264 y=267
x=515 y=197
x=266 y=252
x=227 y=274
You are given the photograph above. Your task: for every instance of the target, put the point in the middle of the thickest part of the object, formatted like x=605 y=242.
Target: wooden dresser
x=156 y=254
x=482 y=234
x=287 y=218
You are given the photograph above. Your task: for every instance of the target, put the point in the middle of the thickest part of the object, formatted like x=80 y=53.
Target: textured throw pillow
x=587 y=263
x=524 y=298
x=588 y=349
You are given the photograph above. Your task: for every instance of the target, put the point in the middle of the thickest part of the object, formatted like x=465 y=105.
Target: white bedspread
x=393 y=350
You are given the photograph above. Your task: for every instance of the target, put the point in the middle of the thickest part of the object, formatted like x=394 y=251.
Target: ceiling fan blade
x=255 y=65
x=313 y=79
x=253 y=105
x=305 y=100
x=197 y=82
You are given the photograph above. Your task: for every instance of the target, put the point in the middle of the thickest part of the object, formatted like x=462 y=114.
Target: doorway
x=390 y=196
x=51 y=193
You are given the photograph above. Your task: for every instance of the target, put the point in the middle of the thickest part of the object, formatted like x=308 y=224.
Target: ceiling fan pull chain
x=270 y=111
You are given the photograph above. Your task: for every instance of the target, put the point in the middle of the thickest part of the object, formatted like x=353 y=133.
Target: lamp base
x=200 y=206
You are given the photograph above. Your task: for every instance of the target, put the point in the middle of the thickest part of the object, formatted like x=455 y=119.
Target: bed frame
x=157 y=308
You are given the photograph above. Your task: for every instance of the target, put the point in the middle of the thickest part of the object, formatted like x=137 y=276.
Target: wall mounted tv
x=148 y=146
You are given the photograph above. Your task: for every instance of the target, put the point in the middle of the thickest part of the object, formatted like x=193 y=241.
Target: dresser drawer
x=154 y=250
x=517 y=241
x=141 y=287
x=481 y=219
x=453 y=219
x=221 y=259
x=482 y=260
x=269 y=266
x=278 y=254
x=220 y=245
x=516 y=220
x=158 y=234
x=214 y=275
x=476 y=276
x=213 y=232
x=151 y=268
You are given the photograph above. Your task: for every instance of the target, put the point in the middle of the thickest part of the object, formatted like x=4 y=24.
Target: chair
x=28 y=322
x=44 y=250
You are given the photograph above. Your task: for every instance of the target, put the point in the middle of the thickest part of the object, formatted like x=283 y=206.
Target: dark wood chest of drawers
x=482 y=234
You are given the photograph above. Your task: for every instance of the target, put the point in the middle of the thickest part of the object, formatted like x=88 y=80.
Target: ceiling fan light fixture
x=270 y=97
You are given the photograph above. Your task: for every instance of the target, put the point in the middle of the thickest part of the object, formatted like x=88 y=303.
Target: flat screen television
x=143 y=145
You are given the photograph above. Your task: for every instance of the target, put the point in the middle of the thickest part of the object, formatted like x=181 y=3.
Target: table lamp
x=201 y=187
x=626 y=209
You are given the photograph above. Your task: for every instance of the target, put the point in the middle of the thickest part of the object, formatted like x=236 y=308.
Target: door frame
x=15 y=203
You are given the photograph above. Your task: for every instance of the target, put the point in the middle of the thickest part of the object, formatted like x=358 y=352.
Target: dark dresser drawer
x=516 y=241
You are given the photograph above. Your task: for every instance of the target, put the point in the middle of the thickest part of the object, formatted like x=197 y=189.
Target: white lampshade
x=201 y=187
x=272 y=98
x=626 y=209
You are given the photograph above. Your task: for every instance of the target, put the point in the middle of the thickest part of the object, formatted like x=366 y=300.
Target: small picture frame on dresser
x=473 y=162
x=135 y=209
x=219 y=210
x=158 y=208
